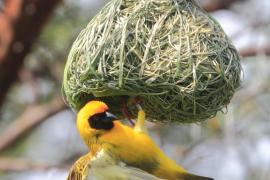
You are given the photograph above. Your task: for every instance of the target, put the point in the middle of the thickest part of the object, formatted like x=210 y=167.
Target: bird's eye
x=100 y=121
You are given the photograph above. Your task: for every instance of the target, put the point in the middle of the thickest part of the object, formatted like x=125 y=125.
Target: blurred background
x=38 y=137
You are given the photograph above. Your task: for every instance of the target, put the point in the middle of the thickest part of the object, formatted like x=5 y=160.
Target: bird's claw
x=140 y=123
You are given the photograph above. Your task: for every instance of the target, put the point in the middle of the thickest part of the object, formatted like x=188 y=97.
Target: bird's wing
x=117 y=172
x=104 y=167
x=80 y=169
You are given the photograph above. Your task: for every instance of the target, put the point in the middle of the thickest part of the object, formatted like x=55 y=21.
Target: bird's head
x=94 y=120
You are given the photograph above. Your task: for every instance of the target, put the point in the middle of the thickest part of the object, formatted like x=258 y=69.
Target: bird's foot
x=140 y=123
x=125 y=112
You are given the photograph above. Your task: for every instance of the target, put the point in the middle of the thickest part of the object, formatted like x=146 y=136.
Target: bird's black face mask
x=102 y=121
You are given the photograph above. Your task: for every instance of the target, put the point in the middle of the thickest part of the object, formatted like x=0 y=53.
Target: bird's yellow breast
x=128 y=144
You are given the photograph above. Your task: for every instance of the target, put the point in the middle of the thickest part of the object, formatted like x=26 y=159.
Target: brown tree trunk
x=20 y=24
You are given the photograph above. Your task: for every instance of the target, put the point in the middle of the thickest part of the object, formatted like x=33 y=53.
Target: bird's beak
x=110 y=117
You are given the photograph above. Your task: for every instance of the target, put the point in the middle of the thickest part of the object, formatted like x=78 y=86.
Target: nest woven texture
x=170 y=53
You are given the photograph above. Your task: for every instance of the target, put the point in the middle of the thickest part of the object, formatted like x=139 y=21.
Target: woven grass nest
x=169 y=53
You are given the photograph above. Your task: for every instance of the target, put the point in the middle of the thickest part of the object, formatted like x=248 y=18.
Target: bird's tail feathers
x=188 y=176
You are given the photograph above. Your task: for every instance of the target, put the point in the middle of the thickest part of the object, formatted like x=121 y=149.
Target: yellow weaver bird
x=119 y=152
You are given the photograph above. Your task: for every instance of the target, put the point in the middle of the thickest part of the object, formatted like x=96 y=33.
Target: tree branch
x=32 y=116
x=12 y=164
x=15 y=164
x=213 y=5
x=252 y=51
